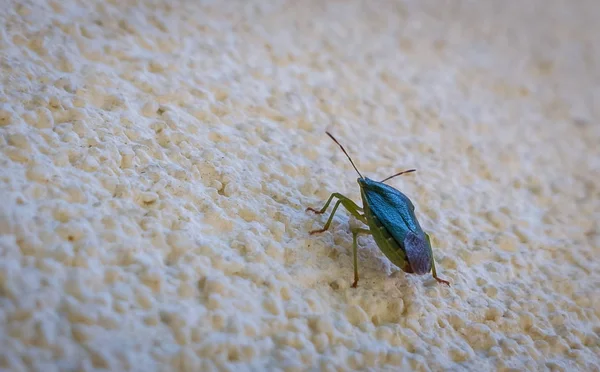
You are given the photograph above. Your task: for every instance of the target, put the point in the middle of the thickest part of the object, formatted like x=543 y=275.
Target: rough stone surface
x=157 y=157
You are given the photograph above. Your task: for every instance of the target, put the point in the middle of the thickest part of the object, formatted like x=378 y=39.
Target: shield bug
x=390 y=216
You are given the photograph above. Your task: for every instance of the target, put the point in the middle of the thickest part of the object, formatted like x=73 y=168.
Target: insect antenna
x=342 y=147
x=399 y=174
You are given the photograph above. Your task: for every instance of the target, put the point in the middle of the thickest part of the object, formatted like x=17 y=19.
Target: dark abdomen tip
x=417 y=253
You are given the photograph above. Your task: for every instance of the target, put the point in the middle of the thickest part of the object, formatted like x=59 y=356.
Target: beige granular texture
x=157 y=157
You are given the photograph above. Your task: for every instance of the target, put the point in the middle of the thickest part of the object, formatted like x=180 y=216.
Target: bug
x=391 y=218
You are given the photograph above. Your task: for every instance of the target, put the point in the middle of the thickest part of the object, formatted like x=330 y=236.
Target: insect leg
x=348 y=204
x=334 y=195
x=355 y=233
x=433 y=272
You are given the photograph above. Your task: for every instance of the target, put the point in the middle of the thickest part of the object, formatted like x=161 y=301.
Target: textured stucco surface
x=156 y=160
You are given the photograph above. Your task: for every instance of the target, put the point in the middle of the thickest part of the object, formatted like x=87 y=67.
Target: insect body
x=391 y=218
